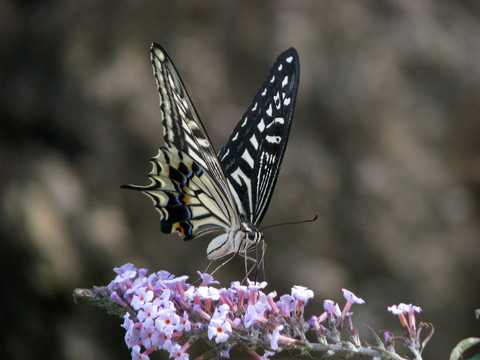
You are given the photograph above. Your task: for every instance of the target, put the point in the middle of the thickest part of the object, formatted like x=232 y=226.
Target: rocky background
x=384 y=146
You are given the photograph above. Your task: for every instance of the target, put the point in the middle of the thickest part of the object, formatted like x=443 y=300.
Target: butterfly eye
x=251 y=235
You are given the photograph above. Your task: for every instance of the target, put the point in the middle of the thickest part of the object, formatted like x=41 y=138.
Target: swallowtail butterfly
x=197 y=192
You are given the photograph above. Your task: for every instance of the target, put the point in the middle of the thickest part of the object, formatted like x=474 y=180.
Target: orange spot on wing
x=179 y=228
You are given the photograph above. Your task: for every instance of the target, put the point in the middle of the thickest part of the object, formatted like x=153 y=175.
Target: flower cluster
x=330 y=323
x=412 y=340
x=164 y=312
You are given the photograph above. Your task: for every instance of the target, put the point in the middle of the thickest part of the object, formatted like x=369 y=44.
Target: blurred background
x=384 y=146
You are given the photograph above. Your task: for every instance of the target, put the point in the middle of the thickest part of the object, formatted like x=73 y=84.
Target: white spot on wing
x=254 y=142
x=254 y=107
x=269 y=110
x=238 y=175
x=276 y=99
x=289 y=59
x=226 y=153
x=261 y=125
x=235 y=137
x=273 y=139
x=264 y=92
x=285 y=81
x=280 y=67
x=203 y=142
x=246 y=156
x=236 y=197
x=278 y=120
x=286 y=102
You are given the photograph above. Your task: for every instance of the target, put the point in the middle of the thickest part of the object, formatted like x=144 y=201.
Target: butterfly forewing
x=183 y=128
x=252 y=157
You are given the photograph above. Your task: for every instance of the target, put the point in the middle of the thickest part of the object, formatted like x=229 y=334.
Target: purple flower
x=388 y=338
x=149 y=334
x=238 y=287
x=185 y=323
x=302 y=293
x=190 y=294
x=137 y=355
x=286 y=304
x=351 y=299
x=254 y=290
x=148 y=311
x=221 y=312
x=132 y=335
x=275 y=336
x=267 y=354
x=176 y=352
x=141 y=297
x=208 y=292
x=123 y=280
x=220 y=330
x=142 y=272
x=207 y=279
x=225 y=354
x=115 y=297
x=124 y=268
x=198 y=309
x=164 y=275
x=401 y=310
x=314 y=322
x=272 y=303
x=332 y=309
x=255 y=285
x=396 y=309
x=167 y=321
x=255 y=313
x=241 y=290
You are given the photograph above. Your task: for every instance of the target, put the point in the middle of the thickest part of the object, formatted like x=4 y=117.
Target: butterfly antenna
x=292 y=222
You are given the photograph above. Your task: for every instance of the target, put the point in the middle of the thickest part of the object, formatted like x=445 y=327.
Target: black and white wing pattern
x=252 y=157
x=194 y=192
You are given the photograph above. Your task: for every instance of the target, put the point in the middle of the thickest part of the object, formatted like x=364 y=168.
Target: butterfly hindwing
x=252 y=157
x=183 y=195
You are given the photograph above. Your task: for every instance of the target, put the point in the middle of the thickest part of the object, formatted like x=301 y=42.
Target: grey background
x=384 y=147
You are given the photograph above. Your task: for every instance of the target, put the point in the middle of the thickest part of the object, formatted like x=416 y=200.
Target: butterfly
x=198 y=193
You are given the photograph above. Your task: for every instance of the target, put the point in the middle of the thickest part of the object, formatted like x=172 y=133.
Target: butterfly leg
x=218 y=267
x=262 y=260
